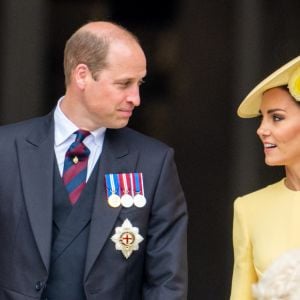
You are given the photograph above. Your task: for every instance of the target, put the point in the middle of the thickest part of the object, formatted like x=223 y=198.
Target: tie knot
x=78 y=148
x=81 y=135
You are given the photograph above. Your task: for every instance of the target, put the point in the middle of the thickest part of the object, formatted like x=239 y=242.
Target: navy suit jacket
x=158 y=270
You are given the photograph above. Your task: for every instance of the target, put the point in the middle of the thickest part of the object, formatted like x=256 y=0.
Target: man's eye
x=141 y=82
x=124 y=84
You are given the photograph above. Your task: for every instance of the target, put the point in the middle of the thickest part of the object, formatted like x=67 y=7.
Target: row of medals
x=126 y=200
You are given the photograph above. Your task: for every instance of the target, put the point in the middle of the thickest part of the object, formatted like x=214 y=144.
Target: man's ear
x=81 y=74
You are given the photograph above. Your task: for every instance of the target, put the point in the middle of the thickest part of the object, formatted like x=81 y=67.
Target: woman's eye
x=277 y=118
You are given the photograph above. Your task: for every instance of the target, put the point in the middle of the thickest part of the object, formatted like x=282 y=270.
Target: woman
x=267 y=222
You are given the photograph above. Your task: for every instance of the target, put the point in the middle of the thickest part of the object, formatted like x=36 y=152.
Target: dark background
x=203 y=58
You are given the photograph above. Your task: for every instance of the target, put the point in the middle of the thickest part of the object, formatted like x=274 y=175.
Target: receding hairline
x=108 y=30
x=94 y=36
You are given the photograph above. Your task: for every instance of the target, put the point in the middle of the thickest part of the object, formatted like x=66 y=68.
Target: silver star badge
x=127 y=238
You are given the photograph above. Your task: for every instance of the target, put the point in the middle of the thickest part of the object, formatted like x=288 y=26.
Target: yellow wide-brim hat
x=288 y=74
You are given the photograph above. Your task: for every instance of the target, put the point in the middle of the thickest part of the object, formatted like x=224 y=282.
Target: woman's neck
x=292 y=180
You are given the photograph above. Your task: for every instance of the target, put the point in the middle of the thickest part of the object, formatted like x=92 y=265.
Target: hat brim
x=250 y=106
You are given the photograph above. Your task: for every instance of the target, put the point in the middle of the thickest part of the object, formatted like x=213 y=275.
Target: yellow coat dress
x=266 y=224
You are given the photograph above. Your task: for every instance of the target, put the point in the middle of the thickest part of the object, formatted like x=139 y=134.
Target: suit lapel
x=36 y=157
x=115 y=158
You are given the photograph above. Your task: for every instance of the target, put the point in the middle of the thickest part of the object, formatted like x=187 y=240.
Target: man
x=90 y=209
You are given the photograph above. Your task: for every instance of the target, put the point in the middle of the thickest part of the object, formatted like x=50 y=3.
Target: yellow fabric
x=266 y=224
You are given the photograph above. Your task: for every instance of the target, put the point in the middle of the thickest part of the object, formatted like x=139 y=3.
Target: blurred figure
x=281 y=280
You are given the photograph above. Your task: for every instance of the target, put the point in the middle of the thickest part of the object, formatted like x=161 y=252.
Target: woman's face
x=280 y=128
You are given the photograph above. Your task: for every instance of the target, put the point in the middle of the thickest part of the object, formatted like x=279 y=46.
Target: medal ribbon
x=131 y=184
x=124 y=180
x=112 y=184
x=138 y=183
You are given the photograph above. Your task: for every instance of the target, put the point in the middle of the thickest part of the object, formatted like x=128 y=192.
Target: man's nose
x=134 y=96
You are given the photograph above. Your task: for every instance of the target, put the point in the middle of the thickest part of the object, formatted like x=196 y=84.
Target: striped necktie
x=75 y=166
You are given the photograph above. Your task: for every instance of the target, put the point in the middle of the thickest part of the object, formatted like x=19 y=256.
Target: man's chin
x=120 y=124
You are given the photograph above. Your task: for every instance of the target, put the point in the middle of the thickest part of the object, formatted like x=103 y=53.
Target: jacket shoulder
x=139 y=140
x=260 y=196
x=22 y=128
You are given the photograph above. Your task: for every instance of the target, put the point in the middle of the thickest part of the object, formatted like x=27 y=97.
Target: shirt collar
x=64 y=128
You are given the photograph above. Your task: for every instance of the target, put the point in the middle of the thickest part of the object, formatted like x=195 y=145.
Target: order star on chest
x=127 y=238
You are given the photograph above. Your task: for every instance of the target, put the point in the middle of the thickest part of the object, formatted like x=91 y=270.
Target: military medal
x=127 y=238
x=112 y=188
x=139 y=199
x=114 y=200
x=126 y=189
x=126 y=198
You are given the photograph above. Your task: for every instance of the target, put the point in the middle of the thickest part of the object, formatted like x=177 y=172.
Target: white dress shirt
x=64 y=136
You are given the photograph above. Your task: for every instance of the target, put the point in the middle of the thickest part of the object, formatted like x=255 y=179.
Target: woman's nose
x=263 y=130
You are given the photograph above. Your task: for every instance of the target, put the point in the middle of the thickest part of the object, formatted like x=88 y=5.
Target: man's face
x=110 y=99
